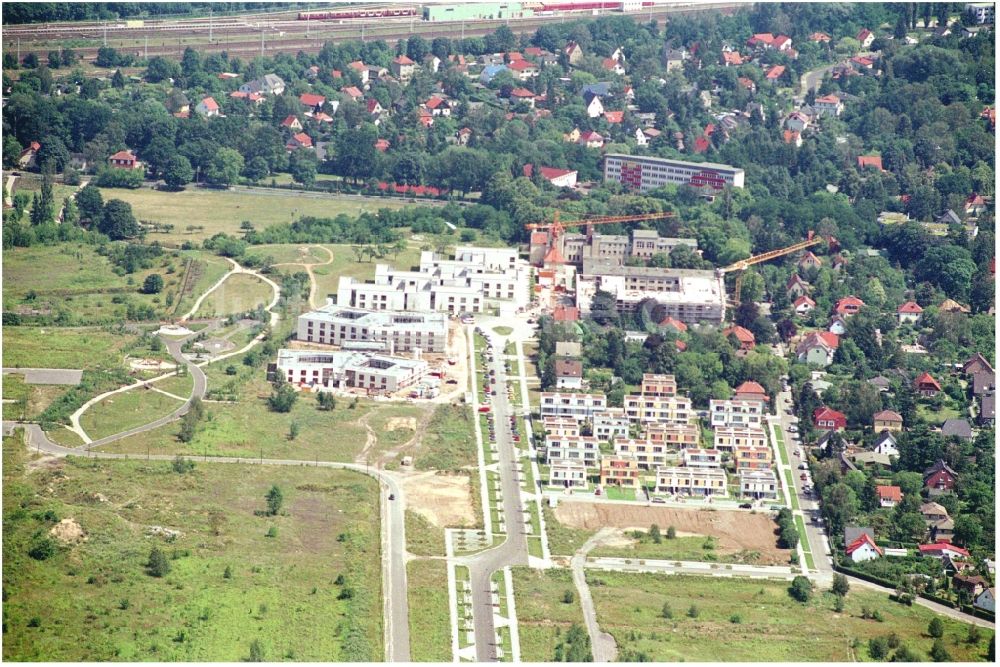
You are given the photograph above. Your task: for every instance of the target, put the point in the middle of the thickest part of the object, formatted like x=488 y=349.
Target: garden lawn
x=238 y=294
x=124 y=411
x=542 y=616
x=222 y=211
x=772 y=627
x=94 y=601
x=430 y=619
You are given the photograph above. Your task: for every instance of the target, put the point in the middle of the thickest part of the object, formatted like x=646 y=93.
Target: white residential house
x=670 y=409
x=647 y=454
x=738 y=413
x=595 y=109
x=701 y=458
x=863 y=548
x=986 y=600
x=568 y=474
x=583 y=448
x=828 y=105
x=207 y=108
x=691 y=481
x=728 y=438
x=609 y=424
x=760 y=484
x=576 y=405
x=885 y=444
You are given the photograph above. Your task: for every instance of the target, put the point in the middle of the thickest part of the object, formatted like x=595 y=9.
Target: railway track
x=269 y=39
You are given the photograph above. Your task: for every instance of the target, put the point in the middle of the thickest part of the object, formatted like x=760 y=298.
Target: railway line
x=242 y=37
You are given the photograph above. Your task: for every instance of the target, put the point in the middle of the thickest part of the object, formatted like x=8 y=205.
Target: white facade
x=647 y=454
x=582 y=448
x=701 y=458
x=983 y=12
x=737 y=413
x=611 y=423
x=691 y=481
x=758 y=484
x=337 y=370
x=568 y=474
x=648 y=173
x=659 y=409
x=469 y=282
x=395 y=331
x=577 y=406
x=728 y=438
x=558 y=426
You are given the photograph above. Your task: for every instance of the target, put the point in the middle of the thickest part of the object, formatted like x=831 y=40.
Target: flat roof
x=683 y=163
x=386 y=319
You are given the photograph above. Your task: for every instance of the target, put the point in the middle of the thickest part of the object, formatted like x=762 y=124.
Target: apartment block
x=647 y=454
x=691 y=481
x=752 y=458
x=559 y=426
x=341 y=369
x=674 y=436
x=610 y=423
x=384 y=331
x=582 y=448
x=568 y=474
x=672 y=409
x=701 y=458
x=654 y=384
x=649 y=173
x=728 y=438
x=615 y=247
x=738 y=413
x=575 y=405
x=620 y=471
x=758 y=484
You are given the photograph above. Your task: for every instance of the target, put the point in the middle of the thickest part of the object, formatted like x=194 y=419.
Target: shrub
x=158 y=565
x=42 y=548
x=671 y=533
x=272 y=531
x=568 y=596
x=935 y=628
x=693 y=611
x=878 y=648
x=667 y=612
x=800 y=589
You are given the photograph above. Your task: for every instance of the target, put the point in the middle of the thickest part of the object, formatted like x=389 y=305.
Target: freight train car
x=370 y=13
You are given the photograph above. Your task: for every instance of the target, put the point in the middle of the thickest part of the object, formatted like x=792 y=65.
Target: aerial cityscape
x=572 y=331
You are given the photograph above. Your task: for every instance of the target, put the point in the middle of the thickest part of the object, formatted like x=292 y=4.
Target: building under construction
x=546 y=248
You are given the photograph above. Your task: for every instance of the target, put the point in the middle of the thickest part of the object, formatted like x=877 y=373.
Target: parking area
x=67 y=376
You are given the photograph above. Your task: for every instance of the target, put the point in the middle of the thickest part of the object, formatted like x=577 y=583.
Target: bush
x=878 y=648
x=568 y=596
x=182 y=465
x=935 y=628
x=43 y=548
x=800 y=589
x=119 y=178
x=153 y=284
x=939 y=653
x=693 y=611
x=158 y=564
x=667 y=612
x=283 y=398
x=671 y=533
x=272 y=531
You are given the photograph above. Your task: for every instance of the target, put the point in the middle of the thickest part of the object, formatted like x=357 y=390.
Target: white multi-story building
x=584 y=448
x=392 y=331
x=610 y=423
x=470 y=282
x=692 y=481
x=983 y=12
x=758 y=484
x=649 y=173
x=728 y=438
x=568 y=474
x=690 y=295
x=657 y=384
x=674 y=436
x=647 y=454
x=558 y=426
x=701 y=458
x=337 y=370
x=662 y=409
x=738 y=413
x=577 y=406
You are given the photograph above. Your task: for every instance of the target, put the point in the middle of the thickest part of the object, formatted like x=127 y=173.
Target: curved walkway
x=309 y=269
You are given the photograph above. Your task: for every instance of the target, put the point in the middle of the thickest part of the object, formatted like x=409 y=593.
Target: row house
x=736 y=412
x=672 y=409
x=759 y=484
x=728 y=438
x=584 y=448
x=674 y=436
x=691 y=481
x=576 y=405
x=609 y=424
x=701 y=458
x=658 y=384
x=620 y=471
x=752 y=458
x=560 y=426
x=568 y=474
x=647 y=454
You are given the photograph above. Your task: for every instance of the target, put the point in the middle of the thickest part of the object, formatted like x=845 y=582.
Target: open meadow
x=238 y=294
x=543 y=615
x=742 y=620
x=430 y=623
x=303 y=584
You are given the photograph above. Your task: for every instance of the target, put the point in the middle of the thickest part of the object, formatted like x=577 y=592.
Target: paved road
x=811 y=79
x=514 y=550
x=693 y=568
x=47 y=375
x=396 y=611
x=602 y=644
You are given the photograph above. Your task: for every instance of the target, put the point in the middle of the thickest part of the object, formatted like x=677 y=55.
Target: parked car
x=803 y=466
x=746 y=506
x=793 y=429
x=392 y=496
x=658 y=499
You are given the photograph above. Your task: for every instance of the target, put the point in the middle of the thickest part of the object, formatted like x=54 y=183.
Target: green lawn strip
x=616 y=493
x=280 y=588
x=771 y=626
x=542 y=614
x=178 y=385
x=503 y=330
x=781 y=446
x=498 y=579
x=430 y=619
x=121 y=412
x=535 y=547
x=790 y=483
x=492 y=483
x=800 y=525
x=464 y=612
x=422 y=537
x=563 y=540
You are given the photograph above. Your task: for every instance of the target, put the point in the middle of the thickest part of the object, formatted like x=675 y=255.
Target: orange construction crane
x=744 y=264
x=556 y=228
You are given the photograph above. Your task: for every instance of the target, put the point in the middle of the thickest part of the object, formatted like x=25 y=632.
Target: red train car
x=578 y=6
x=372 y=13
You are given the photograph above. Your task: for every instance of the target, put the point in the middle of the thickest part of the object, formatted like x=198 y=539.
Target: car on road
x=746 y=506
x=803 y=466
x=484 y=408
x=803 y=477
x=793 y=429
x=658 y=499
x=392 y=496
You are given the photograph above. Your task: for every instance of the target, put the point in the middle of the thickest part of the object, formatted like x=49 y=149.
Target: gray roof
x=988 y=409
x=983 y=382
x=957 y=427
x=600 y=89
x=852 y=533
x=949 y=217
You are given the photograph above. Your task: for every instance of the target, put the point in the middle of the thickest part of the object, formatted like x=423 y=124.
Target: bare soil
x=68 y=531
x=404 y=423
x=735 y=531
x=444 y=500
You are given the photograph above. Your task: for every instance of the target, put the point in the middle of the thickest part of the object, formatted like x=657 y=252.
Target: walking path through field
x=62 y=206
x=308 y=266
x=602 y=644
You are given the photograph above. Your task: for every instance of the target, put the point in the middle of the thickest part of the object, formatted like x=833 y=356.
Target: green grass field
x=216 y=211
x=345 y=263
x=178 y=385
x=772 y=627
x=693 y=548
x=430 y=622
x=394 y=425
x=563 y=540
x=238 y=294
x=72 y=347
x=206 y=269
x=126 y=410
x=285 y=253
x=422 y=537
x=94 y=601
x=542 y=616
x=449 y=442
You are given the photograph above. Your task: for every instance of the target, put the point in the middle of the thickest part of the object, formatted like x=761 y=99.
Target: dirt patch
x=444 y=500
x=150 y=365
x=44 y=462
x=735 y=531
x=68 y=531
x=401 y=423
